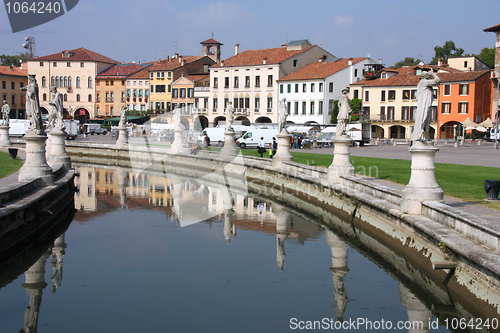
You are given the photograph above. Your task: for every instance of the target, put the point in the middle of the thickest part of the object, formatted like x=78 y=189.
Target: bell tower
x=211 y=48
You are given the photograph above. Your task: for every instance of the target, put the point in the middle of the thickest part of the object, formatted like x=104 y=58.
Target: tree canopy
x=448 y=50
x=8 y=60
x=487 y=55
x=406 y=62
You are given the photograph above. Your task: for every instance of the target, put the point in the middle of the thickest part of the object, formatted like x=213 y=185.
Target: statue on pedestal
x=123 y=116
x=282 y=114
x=344 y=113
x=176 y=118
x=33 y=105
x=5 y=113
x=423 y=115
x=229 y=116
x=56 y=112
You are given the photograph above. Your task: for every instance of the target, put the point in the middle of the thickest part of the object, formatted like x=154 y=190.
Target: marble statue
x=5 y=113
x=56 y=112
x=424 y=101
x=33 y=105
x=344 y=113
x=123 y=117
x=176 y=118
x=229 y=116
x=282 y=114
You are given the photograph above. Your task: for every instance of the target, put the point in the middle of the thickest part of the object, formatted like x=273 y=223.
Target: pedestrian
x=261 y=149
x=274 y=147
x=299 y=142
x=207 y=141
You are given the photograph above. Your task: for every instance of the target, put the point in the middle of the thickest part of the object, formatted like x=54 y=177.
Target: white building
x=249 y=80
x=311 y=90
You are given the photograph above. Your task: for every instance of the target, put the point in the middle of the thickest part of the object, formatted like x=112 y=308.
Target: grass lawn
x=460 y=181
x=8 y=166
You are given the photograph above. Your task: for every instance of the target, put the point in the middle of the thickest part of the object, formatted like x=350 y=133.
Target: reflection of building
x=85 y=198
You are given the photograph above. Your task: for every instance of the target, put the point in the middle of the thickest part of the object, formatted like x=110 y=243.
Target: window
x=216 y=82
x=281 y=88
x=182 y=92
x=68 y=64
x=382 y=96
x=382 y=113
x=54 y=64
x=247 y=102
x=269 y=80
x=295 y=62
x=446 y=90
x=4 y=84
x=190 y=92
x=13 y=100
x=296 y=108
x=90 y=98
x=82 y=64
x=304 y=105
x=311 y=108
x=160 y=88
x=269 y=103
x=236 y=82
x=44 y=81
x=312 y=87
x=463 y=107
x=151 y=75
x=175 y=92
x=78 y=97
x=464 y=89
x=391 y=95
x=289 y=88
x=257 y=102
x=226 y=82
x=356 y=93
x=77 y=81
x=367 y=96
x=304 y=87
x=296 y=88
x=406 y=95
x=330 y=89
x=41 y=63
x=406 y=114
x=235 y=103
x=69 y=82
x=44 y=97
x=12 y=85
x=288 y=108
x=320 y=86
x=320 y=109
x=390 y=113
x=169 y=88
x=257 y=81
x=215 y=103
x=247 y=81
x=414 y=94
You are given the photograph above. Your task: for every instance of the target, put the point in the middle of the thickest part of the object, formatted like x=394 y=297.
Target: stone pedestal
x=283 y=152
x=35 y=165
x=422 y=186
x=4 y=136
x=229 y=144
x=178 y=144
x=57 y=153
x=122 y=141
x=341 y=165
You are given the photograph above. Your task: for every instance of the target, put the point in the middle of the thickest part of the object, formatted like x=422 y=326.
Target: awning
x=488 y=123
x=469 y=123
x=139 y=120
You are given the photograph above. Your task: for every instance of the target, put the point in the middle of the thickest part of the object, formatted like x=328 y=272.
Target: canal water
x=144 y=254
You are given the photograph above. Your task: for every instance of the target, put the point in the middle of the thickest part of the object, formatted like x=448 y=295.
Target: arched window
x=90 y=82
x=44 y=97
x=44 y=81
x=78 y=97
x=69 y=82
x=65 y=81
x=61 y=81
x=53 y=81
x=90 y=97
x=65 y=97
x=57 y=82
x=78 y=82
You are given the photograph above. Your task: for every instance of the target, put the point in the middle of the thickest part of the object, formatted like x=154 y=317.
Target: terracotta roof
x=320 y=70
x=14 y=71
x=256 y=57
x=80 y=54
x=494 y=28
x=121 y=71
x=142 y=74
x=172 y=63
x=407 y=77
x=211 y=41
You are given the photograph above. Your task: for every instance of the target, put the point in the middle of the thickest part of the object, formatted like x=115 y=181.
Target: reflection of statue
x=5 y=113
x=229 y=116
x=423 y=115
x=56 y=112
x=282 y=115
x=123 y=117
x=33 y=105
x=344 y=112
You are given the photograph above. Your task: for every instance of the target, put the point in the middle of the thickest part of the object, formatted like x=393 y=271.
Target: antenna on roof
x=212 y=35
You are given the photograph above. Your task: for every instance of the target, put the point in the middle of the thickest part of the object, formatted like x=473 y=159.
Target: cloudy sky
x=148 y=30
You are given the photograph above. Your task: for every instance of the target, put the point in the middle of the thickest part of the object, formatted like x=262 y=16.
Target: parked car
x=94 y=129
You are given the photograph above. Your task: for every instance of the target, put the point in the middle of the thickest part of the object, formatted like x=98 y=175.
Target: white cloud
x=343 y=20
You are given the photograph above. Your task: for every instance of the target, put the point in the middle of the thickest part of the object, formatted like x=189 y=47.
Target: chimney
x=180 y=59
x=236 y=49
x=440 y=62
x=264 y=61
x=183 y=62
x=349 y=62
x=320 y=59
x=222 y=63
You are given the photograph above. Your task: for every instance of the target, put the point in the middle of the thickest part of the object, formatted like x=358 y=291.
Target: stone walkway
x=470 y=154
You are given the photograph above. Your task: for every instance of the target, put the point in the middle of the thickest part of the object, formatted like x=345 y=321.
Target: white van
x=251 y=138
x=72 y=127
x=94 y=129
x=19 y=127
x=216 y=135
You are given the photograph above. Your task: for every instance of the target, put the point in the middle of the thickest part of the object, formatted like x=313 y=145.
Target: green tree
x=487 y=56
x=335 y=112
x=355 y=104
x=8 y=60
x=448 y=50
x=406 y=62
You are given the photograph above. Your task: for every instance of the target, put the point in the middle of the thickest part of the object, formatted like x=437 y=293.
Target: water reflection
x=275 y=262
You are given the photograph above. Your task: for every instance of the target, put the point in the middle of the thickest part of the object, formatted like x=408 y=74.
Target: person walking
x=274 y=147
x=261 y=147
x=207 y=141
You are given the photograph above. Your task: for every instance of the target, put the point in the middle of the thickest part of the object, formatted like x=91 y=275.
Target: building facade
x=495 y=74
x=310 y=91
x=73 y=73
x=13 y=79
x=137 y=91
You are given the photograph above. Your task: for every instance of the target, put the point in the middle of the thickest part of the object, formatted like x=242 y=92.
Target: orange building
x=462 y=95
x=13 y=79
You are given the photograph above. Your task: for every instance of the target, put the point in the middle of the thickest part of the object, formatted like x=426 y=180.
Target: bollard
x=492 y=187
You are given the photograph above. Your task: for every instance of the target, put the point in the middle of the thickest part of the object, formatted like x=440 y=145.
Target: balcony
x=203 y=88
x=200 y=111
